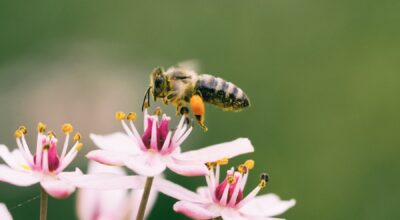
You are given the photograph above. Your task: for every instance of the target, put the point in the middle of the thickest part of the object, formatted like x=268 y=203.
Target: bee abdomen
x=221 y=93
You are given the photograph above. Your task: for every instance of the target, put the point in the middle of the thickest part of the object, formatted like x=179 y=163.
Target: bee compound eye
x=158 y=82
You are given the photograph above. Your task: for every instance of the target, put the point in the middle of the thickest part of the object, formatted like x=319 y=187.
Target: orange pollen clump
x=197 y=105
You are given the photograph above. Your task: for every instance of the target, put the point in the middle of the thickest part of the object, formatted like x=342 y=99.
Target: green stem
x=44 y=197
x=145 y=198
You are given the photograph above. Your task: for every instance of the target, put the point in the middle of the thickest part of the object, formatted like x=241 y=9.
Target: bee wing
x=191 y=64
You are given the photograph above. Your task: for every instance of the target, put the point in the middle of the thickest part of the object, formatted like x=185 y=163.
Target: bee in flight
x=182 y=86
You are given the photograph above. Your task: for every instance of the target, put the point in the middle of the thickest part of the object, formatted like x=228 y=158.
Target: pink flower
x=4 y=213
x=159 y=147
x=45 y=166
x=110 y=204
x=226 y=198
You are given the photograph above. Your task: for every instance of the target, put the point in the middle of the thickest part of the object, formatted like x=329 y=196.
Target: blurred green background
x=323 y=78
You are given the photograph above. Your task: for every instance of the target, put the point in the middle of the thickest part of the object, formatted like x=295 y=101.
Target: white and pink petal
x=4 y=213
x=13 y=159
x=218 y=151
x=117 y=142
x=57 y=188
x=186 y=168
x=204 y=191
x=268 y=205
x=107 y=157
x=195 y=210
x=104 y=204
x=178 y=192
x=103 y=181
x=146 y=164
x=232 y=214
x=18 y=178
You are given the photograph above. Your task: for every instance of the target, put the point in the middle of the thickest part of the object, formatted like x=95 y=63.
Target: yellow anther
x=249 y=164
x=51 y=134
x=210 y=165
x=120 y=116
x=79 y=146
x=131 y=116
x=264 y=178
x=242 y=169
x=231 y=179
x=223 y=161
x=158 y=111
x=262 y=184
x=67 y=128
x=23 y=129
x=145 y=105
x=77 y=137
x=41 y=127
x=18 y=133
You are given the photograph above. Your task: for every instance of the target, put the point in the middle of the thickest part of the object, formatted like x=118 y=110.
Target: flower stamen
x=158 y=111
x=120 y=116
x=211 y=165
x=41 y=127
x=223 y=161
x=131 y=116
x=146 y=105
x=18 y=133
x=67 y=128
x=51 y=134
x=67 y=158
x=264 y=178
x=79 y=147
x=77 y=137
x=23 y=129
x=231 y=179
x=249 y=164
x=21 y=142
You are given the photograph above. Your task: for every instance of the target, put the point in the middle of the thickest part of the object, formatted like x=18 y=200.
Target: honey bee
x=182 y=86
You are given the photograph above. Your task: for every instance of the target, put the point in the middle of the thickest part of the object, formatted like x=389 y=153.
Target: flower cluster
x=225 y=199
x=45 y=165
x=107 y=192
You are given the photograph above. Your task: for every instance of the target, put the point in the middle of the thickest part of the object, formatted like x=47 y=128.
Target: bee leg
x=179 y=105
x=165 y=101
x=169 y=98
x=200 y=120
x=198 y=109
x=185 y=112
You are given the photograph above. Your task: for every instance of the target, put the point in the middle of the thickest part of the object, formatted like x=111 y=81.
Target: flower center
x=229 y=193
x=46 y=158
x=49 y=144
x=157 y=136
x=156 y=133
x=229 y=184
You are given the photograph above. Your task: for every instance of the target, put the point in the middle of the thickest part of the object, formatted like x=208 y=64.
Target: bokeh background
x=323 y=78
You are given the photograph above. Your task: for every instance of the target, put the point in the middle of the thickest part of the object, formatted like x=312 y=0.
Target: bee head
x=159 y=82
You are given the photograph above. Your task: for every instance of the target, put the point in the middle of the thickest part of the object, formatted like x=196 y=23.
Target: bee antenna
x=146 y=96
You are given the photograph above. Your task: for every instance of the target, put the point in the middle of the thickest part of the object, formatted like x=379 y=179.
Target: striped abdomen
x=221 y=93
